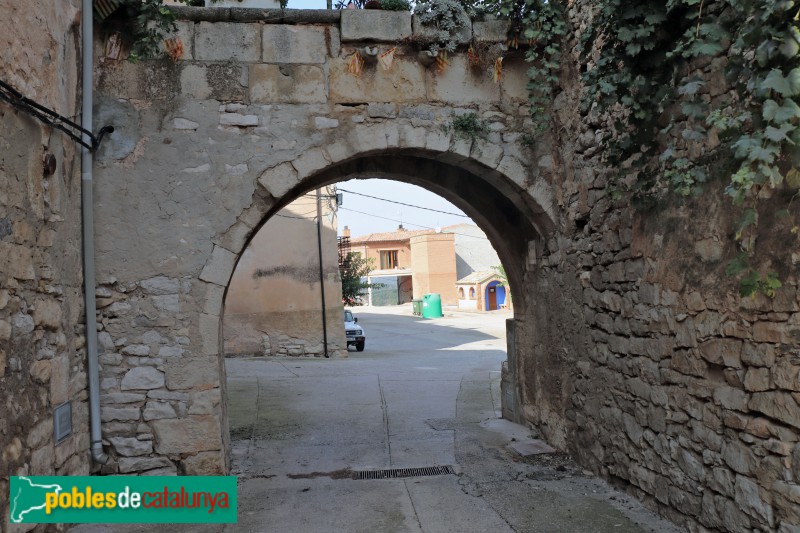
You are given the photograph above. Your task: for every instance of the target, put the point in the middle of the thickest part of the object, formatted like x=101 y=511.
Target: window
x=461 y=293
x=472 y=293
x=388 y=259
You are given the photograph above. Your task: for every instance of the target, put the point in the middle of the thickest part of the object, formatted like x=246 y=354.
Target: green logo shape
x=123 y=499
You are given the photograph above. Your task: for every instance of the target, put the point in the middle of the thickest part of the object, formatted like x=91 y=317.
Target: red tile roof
x=392 y=236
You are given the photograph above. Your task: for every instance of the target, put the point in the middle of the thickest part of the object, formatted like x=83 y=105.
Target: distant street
x=424 y=393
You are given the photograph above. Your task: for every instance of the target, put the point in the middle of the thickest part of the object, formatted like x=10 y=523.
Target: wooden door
x=491 y=305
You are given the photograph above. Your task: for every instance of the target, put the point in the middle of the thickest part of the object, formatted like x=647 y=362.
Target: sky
x=379 y=211
x=308 y=4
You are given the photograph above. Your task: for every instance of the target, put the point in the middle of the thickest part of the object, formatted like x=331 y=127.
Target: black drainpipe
x=321 y=276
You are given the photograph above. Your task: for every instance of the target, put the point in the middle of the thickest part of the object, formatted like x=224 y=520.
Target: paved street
x=423 y=393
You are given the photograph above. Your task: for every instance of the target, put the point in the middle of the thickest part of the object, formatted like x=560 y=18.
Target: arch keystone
x=369 y=138
x=412 y=136
x=279 y=180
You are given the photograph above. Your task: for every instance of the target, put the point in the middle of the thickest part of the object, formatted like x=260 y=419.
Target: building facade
x=411 y=263
x=274 y=303
x=483 y=291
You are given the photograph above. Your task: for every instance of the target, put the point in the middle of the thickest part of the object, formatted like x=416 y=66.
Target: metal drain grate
x=393 y=473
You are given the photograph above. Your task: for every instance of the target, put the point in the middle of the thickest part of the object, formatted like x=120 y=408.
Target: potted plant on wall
x=395 y=5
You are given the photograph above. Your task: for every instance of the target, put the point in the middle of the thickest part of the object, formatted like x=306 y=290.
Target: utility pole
x=321 y=273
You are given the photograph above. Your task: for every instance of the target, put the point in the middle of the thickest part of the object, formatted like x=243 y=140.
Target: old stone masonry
x=629 y=349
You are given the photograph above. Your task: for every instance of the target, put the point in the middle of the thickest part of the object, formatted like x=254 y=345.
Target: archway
x=500 y=204
x=495 y=296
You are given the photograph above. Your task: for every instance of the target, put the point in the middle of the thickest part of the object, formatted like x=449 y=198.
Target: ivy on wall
x=646 y=67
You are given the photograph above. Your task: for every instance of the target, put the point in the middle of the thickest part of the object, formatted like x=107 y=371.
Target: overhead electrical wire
x=404 y=204
x=409 y=223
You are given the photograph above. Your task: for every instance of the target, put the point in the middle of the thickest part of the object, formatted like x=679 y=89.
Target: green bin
x=432 y=306
x=417 y=307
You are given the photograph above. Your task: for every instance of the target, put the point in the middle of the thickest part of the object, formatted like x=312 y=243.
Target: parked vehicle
x=354 y=333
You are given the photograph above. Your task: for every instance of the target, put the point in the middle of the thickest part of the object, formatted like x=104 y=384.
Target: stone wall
x=669 y=382
x=258 y=112
x=628 y=349
x=42 y=355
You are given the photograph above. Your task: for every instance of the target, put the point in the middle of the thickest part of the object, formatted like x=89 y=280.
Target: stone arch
x=497 y=190
x=513 y=206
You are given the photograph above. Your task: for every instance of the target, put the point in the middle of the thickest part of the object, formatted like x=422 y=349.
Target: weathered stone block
x=686 y=362
x=379 y=26
x=774 y=332
x=16 y=261
x=460 y=84
x=786 y=373
x=299 y=44
x=158 y=410
x=47 y=313
x=160 y=285
x=731 y=398
x=142 y=464
x=279 y=180
x=192 y=373
x=725 y=352
x=131 y=447
x=203 y=464
x=139 y=350
x=758 y=354
x=757 y=379
x=236 y=119
x=121 y=397
x=209 y=334
x=748 y=496
x=292 y=84
x=219 y=266
x=405 y=82
x=221 y=81
x=779 y=405
x=204 y=402
x=224 y=41
x=107 y=414
x=310 y=162
x=187 y=435
x=143 y=377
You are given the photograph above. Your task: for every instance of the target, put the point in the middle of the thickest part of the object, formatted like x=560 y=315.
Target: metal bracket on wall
x=51 y=118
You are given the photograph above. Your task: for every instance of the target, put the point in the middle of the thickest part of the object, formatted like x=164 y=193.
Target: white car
x=354 y=332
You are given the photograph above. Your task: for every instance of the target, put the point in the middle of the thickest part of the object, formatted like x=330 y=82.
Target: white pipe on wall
x=87 y=212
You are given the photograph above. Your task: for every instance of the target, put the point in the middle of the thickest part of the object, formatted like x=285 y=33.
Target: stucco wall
x=474 y=251
x=42 y=355
x=433 y=262
x=273 y=304
x=372 y=251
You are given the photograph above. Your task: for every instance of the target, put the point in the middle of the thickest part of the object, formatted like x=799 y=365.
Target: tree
x=353 y=270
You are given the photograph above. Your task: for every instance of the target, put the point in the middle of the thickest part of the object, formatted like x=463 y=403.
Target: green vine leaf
x=774 y=112
x=785 y=86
